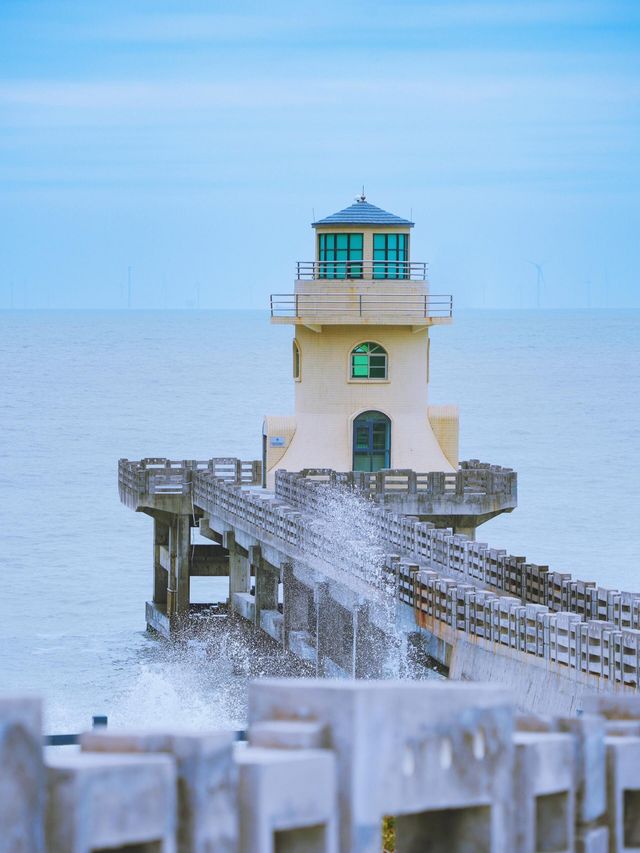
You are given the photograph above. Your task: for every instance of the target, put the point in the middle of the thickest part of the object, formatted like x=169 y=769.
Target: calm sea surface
x=554 y=395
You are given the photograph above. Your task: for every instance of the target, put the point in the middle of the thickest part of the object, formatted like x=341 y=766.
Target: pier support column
x=321 y=600
x=267 y=579
x=179 y=546
x=160 y=575
x=239 y=569
x=296 y=604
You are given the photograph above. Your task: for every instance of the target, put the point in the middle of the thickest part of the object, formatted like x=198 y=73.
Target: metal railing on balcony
x=323 y=304
x=356 y=270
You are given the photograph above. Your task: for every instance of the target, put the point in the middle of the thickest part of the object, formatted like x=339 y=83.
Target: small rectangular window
x=336 y=256
x=390 y=253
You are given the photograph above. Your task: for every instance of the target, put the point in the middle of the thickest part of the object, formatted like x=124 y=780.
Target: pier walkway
x=480 y=612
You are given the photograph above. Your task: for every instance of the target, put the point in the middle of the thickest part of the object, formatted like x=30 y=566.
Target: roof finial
x=362 y=198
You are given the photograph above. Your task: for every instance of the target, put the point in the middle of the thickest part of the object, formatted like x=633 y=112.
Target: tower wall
x=327 y=400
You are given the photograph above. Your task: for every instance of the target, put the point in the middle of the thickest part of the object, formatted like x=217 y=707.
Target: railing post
x=297 y=315
x=360 y=301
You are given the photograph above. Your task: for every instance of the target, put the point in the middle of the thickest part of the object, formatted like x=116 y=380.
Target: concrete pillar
x=267 y=579
x=296 y=604
x=370 y=645
x=239 y=569
x=160 y=575
x=179 y=547
x=321 y=599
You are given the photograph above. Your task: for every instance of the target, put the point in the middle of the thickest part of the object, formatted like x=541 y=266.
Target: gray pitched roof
x=363 y=213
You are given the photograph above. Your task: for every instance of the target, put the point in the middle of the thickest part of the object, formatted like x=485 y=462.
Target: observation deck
x=361 y=292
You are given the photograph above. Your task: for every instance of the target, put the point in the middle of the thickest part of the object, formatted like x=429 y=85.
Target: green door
x=371 y=442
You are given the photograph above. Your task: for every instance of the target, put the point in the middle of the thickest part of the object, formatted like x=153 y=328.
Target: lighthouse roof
x=363 y=213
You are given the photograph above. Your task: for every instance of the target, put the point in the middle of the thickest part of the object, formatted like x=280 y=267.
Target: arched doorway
x=371 y=442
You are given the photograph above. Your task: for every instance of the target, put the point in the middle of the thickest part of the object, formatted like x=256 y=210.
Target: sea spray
x=352 y=542
x=199 y=681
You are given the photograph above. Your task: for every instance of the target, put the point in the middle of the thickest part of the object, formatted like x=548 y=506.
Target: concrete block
x=623 y=794
x=406 y=749
x=287 y=801
x=301 y=643
x=271 y=623
x=104 y=801
x=593 y=840
x=206 y=782
x=622 y=728
x=22 y=776
x=244 y=604
x=288 y=734
x=613 y=706
x=544 y=792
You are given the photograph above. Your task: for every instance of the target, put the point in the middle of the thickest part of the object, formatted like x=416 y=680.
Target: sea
x=553 y=394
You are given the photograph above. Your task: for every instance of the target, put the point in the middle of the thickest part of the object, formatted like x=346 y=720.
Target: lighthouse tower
x=361 y=313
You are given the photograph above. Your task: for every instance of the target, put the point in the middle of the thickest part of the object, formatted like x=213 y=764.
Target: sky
x=185 y=146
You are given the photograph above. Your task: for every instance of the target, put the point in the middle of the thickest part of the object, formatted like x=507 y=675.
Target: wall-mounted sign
x=277 y=441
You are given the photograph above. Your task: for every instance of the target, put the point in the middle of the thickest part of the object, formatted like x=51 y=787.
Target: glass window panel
x=378 y=461
x=379 y=242
x=377 y=373
x=362 y=438
x=356 y=242
x=361 y=462
x=392 y=241
x=342 y=254
x=342 y=241
x=362 y=348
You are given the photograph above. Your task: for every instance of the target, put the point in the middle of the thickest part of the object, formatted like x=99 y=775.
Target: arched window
x=296 y=360
x=369 y=361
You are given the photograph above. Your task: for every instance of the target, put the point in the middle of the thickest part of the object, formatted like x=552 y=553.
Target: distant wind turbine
x=539 y=280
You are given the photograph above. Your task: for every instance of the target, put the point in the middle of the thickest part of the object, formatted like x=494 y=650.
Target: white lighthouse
x=361 y=313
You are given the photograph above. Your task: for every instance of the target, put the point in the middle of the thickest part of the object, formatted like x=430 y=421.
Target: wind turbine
x=539 y=279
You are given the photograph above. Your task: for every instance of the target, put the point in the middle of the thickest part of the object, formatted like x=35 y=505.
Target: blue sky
x=191 y=141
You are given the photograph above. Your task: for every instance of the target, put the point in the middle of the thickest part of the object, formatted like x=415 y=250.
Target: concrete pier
x=476 y=611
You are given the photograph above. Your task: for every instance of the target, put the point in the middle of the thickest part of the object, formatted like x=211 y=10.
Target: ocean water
x=555 y=395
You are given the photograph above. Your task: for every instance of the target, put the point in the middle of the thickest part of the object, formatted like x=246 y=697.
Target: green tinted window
x=391 y=251
x=339 y=256
x=369 y=361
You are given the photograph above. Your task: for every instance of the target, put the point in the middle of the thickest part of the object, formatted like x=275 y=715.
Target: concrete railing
x=473 y=478
x=161 y=476
x=355 y=767
x=605 y=623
